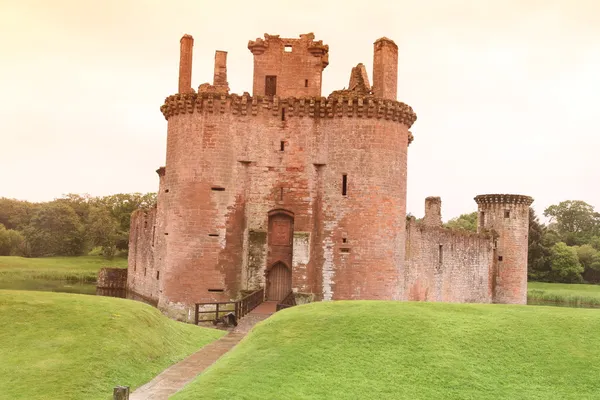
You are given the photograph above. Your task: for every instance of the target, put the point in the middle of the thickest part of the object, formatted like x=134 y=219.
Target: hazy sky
x=507 y=93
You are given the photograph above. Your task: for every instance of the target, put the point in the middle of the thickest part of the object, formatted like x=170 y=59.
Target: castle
x=290 y=191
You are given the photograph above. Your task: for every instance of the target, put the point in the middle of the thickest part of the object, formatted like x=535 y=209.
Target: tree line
x=69 y=226
x=566 y=250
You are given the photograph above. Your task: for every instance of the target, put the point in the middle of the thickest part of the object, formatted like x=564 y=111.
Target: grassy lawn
x=402 y=350
x=69 y=346
x=563 y=294
x=81 y=269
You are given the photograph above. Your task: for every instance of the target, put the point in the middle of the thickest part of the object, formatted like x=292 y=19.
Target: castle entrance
x=279 y=259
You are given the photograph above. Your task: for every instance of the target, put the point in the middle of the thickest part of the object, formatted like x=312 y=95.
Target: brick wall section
x=459 y=274
x=298 y=71
x=112 y=278
x=507 y=218
x=142 y=269
x=385 y=69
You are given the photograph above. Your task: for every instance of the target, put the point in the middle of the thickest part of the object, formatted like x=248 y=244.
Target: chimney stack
x=185 y=64
x=385 y=69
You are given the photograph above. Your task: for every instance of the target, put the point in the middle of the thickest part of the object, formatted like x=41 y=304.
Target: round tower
x=506 y=217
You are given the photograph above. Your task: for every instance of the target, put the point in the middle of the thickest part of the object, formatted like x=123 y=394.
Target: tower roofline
x=503 y=199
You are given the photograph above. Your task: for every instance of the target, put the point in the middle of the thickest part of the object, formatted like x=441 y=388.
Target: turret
x=506 y=217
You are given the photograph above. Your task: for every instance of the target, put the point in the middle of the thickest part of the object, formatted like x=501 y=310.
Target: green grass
x=404 y=350
x=574 y=295
x=69 y=346
x=79 y=269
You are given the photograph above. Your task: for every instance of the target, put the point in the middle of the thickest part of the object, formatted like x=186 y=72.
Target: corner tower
x=288 y=67
x=506 y=216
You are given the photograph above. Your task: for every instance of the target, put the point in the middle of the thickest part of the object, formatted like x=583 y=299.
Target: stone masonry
x=291 y=191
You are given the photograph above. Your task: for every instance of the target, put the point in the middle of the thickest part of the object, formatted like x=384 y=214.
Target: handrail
x=288 y=301
x=239 y=308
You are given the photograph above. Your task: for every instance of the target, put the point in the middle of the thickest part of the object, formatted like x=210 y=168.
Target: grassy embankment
x=48 y=273
x=398 y=350
x=563 y=294
x=68 y=346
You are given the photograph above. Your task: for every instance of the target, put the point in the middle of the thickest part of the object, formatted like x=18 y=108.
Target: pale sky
x=507 y=93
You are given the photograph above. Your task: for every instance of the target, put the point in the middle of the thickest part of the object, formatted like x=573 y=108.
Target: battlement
x=503 y=199
x=312 y=107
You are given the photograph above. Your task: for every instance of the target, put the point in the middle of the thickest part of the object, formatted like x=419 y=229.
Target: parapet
x=503 y=199
x=313 y=107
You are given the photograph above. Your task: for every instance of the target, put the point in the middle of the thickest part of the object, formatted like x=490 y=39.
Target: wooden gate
x=279 y=282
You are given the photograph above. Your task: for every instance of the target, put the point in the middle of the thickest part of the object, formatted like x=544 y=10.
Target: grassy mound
x=83 y=269
x=573 y=295
x=402 y=350
x=68 y=346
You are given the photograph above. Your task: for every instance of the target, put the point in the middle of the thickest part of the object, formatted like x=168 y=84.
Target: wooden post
x=196 y=314
x=121 y=393
x=217 y=316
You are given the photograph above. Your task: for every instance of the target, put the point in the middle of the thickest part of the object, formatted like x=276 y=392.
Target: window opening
x=499 y=258
x=217 y=189
x=281 y=193
x=345 y=250
x=344 y=240
x=216 y=290
x=441 y=253
x=157 y=275
x=287 y=48
x=481 y=219
x=153 y=234
x=506 y=214
x=344 y=184
x=213 y=234
x=166 y=190
x=282 y=145
x=306 y=83
x=283 y=114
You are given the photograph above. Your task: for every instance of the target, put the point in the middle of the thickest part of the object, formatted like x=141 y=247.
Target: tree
x=565 y=264
x=576 y=221
x=539 y=243
x=465 y=222
x=103 y=230
x=55 y=229
x=589 y=258
x=16 y=214
x=11 y=241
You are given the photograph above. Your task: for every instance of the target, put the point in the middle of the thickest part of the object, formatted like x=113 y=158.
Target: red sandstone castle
x=290 y=191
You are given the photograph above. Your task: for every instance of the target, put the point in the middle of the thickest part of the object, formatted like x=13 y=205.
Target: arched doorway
x=279 y=282
x=279 y=256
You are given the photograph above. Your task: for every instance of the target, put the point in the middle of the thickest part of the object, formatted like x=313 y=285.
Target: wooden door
x=279 y=282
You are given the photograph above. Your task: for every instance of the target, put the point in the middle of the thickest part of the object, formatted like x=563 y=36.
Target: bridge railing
x=288 y=301
x=217 y=310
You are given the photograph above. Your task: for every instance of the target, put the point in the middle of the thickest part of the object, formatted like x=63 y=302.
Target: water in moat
x=43 y=285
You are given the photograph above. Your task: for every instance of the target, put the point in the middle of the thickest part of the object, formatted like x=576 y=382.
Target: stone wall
x=112 y=278
x=446 y=265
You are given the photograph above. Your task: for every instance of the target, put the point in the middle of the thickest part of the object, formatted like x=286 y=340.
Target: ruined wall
x=446 y=265
x=297 y=63
x=142 y=272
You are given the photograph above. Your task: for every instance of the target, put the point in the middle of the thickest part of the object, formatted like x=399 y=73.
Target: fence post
x=121 y=393
x=217 y=316
x=197 y=308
